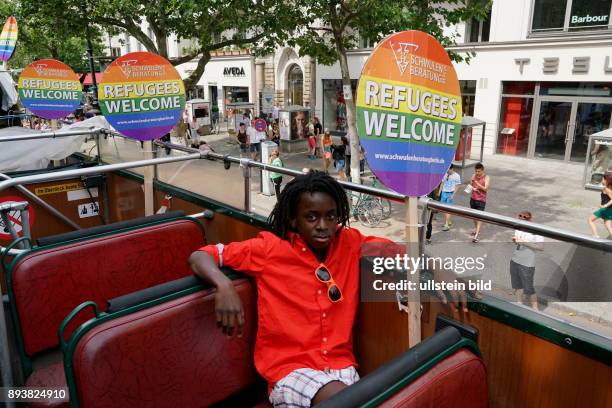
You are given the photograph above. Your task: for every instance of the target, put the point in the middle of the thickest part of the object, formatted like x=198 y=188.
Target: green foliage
x=250 y=24
x=342 y=22
x=44 y=35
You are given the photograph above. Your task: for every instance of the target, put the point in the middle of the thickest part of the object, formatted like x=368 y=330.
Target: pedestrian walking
x=522 y=263
x=243 y=139
x=318 y=132
x=478 y=188
x=339 y=156
x=450 y=185
x=312 y=146
x=254 y=142
x=326 y=144
x=434 y=195
x=276 y=178
x=605 y=209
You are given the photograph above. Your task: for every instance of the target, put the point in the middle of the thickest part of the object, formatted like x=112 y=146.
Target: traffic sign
x=260 y=125
x=14 y=217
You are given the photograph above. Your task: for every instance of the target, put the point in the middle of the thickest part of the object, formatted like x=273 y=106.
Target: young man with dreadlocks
x=306 y=272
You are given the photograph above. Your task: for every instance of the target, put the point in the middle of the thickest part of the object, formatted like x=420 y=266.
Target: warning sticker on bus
x=14 y=218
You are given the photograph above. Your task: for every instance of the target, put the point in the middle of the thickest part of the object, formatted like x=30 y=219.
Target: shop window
x=478 y=30
x=128 y=45
x=295 y=88
x=570 y=15
x=365 y=43
x=518 y=88
x=334 y=106
x=468 y=96
x=576 y=89
x=197 y=92
x=514 y=126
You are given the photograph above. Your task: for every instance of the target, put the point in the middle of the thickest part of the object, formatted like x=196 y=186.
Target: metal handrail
x=42 y=203
x=107 y=168
x=52 y=135
x=424 y=202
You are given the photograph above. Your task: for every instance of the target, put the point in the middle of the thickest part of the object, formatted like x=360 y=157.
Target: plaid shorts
x=299 y=387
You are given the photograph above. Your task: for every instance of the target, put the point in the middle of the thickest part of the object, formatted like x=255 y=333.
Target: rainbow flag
x=8 y=38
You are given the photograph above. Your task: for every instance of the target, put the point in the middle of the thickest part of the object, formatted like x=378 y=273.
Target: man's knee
x=328 y=391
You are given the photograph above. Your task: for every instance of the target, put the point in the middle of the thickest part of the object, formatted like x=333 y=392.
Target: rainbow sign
x=409 y=112
x=8 y=38
x=50 y=89
x=141 y=95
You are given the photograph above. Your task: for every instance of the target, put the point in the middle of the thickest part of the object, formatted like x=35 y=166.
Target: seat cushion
x=171 y=354
x=458 y=381
x=51 y=376
x=48 y=284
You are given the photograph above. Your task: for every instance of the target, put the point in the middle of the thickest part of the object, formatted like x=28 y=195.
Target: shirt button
x=324 y=351
x=324 y=315
x=324 y=339
x=303 y=249
x=319 y=292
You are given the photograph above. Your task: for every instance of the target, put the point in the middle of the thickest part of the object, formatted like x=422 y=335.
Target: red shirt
x=299 y=327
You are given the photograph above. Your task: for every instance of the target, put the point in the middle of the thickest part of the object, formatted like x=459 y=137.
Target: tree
x=339 y=23
x=39 y=37
x=211 y=24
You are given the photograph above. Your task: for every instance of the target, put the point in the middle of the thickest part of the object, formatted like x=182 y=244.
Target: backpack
x=338 y=153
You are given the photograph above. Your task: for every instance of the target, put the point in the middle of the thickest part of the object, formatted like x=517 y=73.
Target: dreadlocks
x=311 y=182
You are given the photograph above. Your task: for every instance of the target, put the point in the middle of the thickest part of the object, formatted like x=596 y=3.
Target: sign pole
x=148 y=180
x=412 y=246
x=409 y=121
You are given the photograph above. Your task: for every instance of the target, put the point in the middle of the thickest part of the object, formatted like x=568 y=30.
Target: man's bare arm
x=228 y=306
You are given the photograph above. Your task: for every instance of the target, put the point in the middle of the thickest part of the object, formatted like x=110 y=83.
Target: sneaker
x=428 y=241
x=445 y=227
x=475 y=240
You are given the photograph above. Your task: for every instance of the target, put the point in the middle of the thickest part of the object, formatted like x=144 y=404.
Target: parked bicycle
x=365 y=208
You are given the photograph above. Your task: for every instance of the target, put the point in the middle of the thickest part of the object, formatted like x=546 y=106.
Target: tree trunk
x=351 y=113
x=195 y=76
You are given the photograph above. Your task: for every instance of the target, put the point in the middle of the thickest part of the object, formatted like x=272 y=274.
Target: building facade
x=540 y=77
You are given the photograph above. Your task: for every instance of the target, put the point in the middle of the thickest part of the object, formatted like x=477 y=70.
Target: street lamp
x=92 y=68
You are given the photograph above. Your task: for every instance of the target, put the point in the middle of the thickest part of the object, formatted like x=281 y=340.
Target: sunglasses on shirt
x=333 y=291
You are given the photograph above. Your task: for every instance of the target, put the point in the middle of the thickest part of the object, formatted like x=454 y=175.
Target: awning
x=88 y=79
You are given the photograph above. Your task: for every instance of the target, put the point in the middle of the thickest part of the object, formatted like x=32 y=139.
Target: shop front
x=552 y=120
x=227 y=79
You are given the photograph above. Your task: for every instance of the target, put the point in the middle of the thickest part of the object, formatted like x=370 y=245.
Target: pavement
x=552 y=191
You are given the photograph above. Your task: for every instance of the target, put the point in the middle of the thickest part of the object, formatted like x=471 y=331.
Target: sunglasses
x=524 y=217
x=333 y=291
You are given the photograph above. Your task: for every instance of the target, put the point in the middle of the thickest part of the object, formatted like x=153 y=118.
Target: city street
x=551 y=190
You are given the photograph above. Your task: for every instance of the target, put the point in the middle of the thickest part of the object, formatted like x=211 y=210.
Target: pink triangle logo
x=401 y=52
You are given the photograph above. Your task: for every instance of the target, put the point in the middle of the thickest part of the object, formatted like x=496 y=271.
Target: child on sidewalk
x=307 y=275
x=450 y=185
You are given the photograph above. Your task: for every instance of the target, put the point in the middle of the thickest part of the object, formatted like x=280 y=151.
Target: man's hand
x=229 y=310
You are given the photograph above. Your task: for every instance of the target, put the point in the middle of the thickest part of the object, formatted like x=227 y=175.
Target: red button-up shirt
x=299 y=327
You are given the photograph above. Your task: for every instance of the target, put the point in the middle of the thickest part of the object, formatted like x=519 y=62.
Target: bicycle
x=385 y=203
x=367 y=209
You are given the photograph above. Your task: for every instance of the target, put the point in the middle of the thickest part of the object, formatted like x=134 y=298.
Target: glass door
x=554 y=123
x=590 y=118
